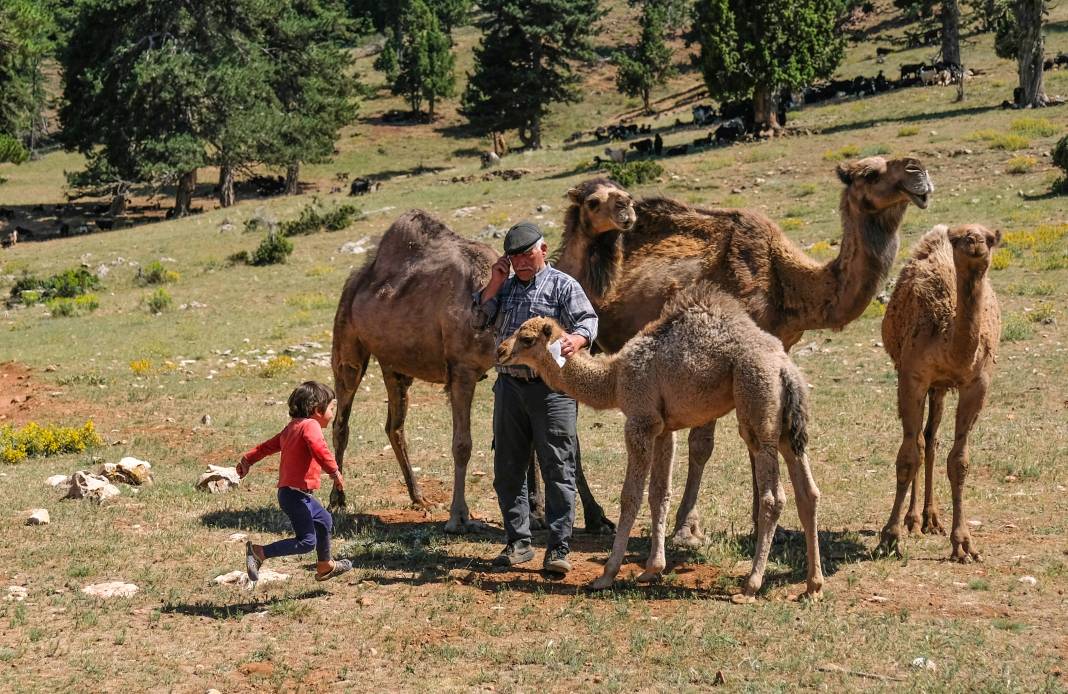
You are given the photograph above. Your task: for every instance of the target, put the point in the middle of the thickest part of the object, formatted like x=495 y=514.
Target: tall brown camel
x=629 y=268
x=941 y=329
x=701 y=359
x=410 y=307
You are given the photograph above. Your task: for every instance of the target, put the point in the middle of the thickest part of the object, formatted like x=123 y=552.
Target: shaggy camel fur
x=410 y=307
x=941 y=329
x=701 y=359
x=631 y=258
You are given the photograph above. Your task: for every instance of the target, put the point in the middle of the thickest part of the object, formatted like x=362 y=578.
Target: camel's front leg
x=701 y=442
x=910 y=397
x=659 y=497
x=931 y=522
x=461 y=392
x=972 y=398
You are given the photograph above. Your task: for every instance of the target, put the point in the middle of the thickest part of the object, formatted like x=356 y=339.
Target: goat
x=642 y=146
x=616 y=154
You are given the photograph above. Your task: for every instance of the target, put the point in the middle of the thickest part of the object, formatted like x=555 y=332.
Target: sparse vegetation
x=1034 y=127
x=314 y=218
x=1001 y=259
x=34 y=440
x=1000 y=140
x=159 y=301
x=29 y=289
x=908 y=131
x=277 y=366
x=841 y=153
x=634 y=173
x=274 y=249
x=1021 y=165
x=1015 y=328
x=63 y=307
x=156 y=273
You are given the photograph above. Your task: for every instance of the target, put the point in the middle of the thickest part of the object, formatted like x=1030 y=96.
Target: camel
x=410 y=308
x=941 y=330
x=703 y=357
x=632 y=257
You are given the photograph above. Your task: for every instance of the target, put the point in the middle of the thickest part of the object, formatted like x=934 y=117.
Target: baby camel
x=703 y=357
x=941 y=328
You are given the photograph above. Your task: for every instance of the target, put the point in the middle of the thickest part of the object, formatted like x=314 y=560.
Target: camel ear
x=844 y=174
x=547 y=329
x=575 y=195
x=997 y=239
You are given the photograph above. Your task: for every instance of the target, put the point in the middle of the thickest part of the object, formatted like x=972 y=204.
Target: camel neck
x=590 y=380
x=967 y=323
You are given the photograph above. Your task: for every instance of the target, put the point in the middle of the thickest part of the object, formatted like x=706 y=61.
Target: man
x=526 y=412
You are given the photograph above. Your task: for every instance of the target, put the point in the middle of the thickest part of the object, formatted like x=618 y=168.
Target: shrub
x=155 y=273
x=634 y=172
x=277 y=366
x=873 y=150
x=159 y=301
x=1035 y=127
x=1001 y=259
x=141 y=367
x=61 y=307
x=1043 y=314
x=313 y=219
x=1060 y=160
x=1016 y=328
x=847 y=152
x=68 y=284
x=274 y=249
x=908 y=131
x=34 y=440
x=1021 y=164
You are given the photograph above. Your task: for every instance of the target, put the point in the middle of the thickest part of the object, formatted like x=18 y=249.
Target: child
x=304 y=452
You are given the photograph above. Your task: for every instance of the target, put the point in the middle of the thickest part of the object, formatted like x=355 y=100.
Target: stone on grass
x=237 y=537
x=58 y=480
x=38 y=516
x=922 y=663
x=1028 y=580
x=129 y=470
x=111 y=589
x=218 y=479
x=86 y=485
x=15 y=594
x=240 y=578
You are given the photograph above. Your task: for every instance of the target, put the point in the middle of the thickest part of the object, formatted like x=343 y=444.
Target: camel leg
x=912 y=516
x=347 y=378
x=461 y=393
x=597 y=523
x=807 y=496
x=931 y=523
x=972 y=398
x=688 y=532
x=772 y=502
x=910 y=397
x=536 y=494
x=659 y=497
x=397 y=385
x=639 y=434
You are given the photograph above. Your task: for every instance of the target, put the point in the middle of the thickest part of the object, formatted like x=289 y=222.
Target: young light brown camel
x=410 y=307
x=941 y=329
x=701 y=359
x=632 y=257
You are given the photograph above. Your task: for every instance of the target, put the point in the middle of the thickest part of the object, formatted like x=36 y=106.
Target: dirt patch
x=23 y=399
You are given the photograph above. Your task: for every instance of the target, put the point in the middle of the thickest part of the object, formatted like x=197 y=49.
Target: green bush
x=159 y=301
x=62 y=307
x=274 y=249
x=313 y=219
x=30 y=289
x=1060 y=160
x=35 y=440
x=634 y=172
x=155 y=273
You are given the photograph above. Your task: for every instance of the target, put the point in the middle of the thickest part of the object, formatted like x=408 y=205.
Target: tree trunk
x=183 y=198
x=292 y=179
x=765 y=109
x=645 y=101
x=430 y=108
x=226 y=185
x=530 y=133
x=951 y=32
x=1031 y=50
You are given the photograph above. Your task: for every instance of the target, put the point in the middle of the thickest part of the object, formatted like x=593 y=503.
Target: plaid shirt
x=551 y=294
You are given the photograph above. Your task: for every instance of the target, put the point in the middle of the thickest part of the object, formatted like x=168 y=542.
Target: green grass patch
x=30 y=289
x=1021 y=164
x=311 y=301
x=791 y=223
x=34 y=440
x=1016 y=328
x=1043 y=314
x=874 y=150
x=1034 y=127
x=846 y=152
x=999 y=140
x=273 y=250
x=876 y=309
x=633 y=173
x=1038 y=289
x=63 y=307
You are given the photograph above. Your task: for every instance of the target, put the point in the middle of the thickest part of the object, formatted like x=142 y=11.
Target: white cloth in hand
x=554 y=349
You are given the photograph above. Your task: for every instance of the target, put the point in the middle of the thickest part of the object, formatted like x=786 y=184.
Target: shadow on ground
x=213 y=611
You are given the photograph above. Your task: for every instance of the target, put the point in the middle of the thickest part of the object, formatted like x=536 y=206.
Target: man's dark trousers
x=528 y=414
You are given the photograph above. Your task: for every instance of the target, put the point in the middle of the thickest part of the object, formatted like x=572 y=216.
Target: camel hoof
x=538 y=523
x=600 y=526
x=912 y=524
x=811 y=595
x=649 y=577
x=601 y=583
x=460 y=525
x=686 y=539
x=743 y=599
x=933 y=526
x=889 y=544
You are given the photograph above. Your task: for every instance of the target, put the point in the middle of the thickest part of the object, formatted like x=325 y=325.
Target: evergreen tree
x=1019 y=37
x=383 y=14
x=754 y=48
x=11 y=151
x=25 y=43
x=649 y=63
x=417 y=57
x=524 y=63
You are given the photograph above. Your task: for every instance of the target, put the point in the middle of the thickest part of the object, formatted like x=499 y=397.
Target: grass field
x=422 y=610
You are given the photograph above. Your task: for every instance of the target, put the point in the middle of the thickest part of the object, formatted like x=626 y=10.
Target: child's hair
x=308 y=398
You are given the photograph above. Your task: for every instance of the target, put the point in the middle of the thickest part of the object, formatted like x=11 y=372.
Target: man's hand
x=498 y=274
x=571 y=343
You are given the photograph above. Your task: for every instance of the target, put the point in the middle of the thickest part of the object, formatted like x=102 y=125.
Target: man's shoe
x=556 y=561
x=514 y=553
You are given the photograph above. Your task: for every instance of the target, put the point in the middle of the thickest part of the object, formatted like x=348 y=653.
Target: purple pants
x=311 y=524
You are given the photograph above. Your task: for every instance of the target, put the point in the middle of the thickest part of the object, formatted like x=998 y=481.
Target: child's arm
x=313 y=436
x=268 y=447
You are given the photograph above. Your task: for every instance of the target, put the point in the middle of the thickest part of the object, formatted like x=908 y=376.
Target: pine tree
x=754 y=48
x=524 y=63
x=417 y=58
x=649 y=63
x=25 y=44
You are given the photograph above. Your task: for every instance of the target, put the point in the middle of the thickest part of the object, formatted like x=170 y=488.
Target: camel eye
x=526 y=340
x=593 y=203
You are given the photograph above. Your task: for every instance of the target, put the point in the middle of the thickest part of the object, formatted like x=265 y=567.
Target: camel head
x=877 y=184
x=973 y=245
x=599 y=206
x=532 y=338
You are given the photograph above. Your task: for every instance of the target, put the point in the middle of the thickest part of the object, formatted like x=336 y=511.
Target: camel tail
x=794 y=410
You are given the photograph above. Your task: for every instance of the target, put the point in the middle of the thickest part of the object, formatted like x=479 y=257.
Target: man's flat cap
x=521 y=237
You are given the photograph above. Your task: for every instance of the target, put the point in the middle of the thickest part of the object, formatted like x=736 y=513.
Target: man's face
x=528 y=264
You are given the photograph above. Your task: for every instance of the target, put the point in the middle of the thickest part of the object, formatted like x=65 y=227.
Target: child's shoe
x=340 y=567
x=252 y=563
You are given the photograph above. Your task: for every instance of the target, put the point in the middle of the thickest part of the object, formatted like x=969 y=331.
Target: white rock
x=544 y=208
x=129 y=470
x=464 y=212
x=85 y=485
x=206 y=420
x=111 y=589
x=240 y=578
x=975 y=523
x=237 y=537
x=15 y=594
x=924 y=664
x=58 y=480
x=218 y=479
x=39 y=516
x=1029 y=580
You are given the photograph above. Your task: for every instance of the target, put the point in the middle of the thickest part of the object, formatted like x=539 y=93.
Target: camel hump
x=415 y=230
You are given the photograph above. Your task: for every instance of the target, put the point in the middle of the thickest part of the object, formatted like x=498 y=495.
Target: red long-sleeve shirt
x=304 y=454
